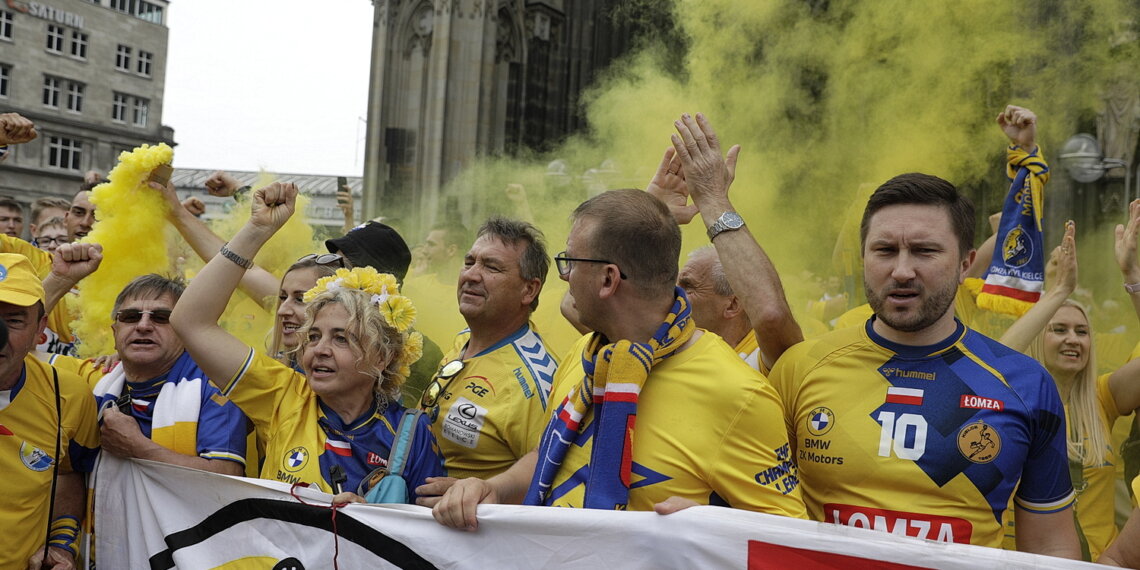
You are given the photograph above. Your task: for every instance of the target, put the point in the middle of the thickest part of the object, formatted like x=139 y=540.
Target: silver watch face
x=731 y=220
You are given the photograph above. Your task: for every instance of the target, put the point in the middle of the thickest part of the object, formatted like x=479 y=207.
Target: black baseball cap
x=375 y=245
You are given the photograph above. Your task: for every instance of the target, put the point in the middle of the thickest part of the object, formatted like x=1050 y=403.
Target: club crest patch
x=979 y=442
x=35 y=458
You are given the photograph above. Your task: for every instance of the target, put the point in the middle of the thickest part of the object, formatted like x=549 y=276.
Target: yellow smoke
x=828 y=97
x=131 y=219
x=137 y=239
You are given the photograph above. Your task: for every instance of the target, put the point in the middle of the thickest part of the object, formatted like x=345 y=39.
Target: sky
x=275 y=85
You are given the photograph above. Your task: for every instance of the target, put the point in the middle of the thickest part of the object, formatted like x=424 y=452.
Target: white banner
x=161 y=516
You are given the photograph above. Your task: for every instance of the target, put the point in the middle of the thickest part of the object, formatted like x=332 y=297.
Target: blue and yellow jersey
x=28 y=452
x=1095 y=503
x=221 y=425
x=927 y=441
x=708 y=429
x=493 y=412
x=304 y=438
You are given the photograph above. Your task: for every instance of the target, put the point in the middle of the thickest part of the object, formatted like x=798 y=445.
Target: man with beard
x=913 y=423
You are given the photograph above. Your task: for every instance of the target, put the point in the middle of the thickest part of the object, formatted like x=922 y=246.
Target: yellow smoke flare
x=131 y=219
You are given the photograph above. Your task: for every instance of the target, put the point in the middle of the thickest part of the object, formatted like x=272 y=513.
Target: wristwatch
x=727 y=221
x=1132 y=287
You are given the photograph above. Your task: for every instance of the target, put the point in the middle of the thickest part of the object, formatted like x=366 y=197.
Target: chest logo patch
x=35 y=458
x=979 y=442
x=295 y=459
x=820 y=421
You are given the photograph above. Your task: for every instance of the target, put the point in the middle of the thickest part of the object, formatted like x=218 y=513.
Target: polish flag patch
x=339 y=447
x=897 y=395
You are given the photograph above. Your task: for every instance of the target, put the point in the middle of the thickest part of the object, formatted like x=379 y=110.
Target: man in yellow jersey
x=48 y=432
x=489 y=402
x=913 y=423
x=647 y=365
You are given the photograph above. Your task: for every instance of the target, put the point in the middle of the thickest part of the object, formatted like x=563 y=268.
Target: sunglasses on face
x=131 y=316
x=325 y=259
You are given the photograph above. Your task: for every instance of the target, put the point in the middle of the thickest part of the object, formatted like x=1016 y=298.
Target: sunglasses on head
x=324 y=259
x=131 y=316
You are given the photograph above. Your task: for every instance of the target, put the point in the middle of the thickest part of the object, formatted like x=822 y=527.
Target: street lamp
x=1081 y=158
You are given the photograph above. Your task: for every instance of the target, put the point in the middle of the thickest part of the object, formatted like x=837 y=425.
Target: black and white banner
x=161 y=516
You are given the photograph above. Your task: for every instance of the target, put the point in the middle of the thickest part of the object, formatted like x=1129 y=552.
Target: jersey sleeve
x=81 y=424
x=425 y=460
x=753 y=467
x=1108 y=407
x=1045 y=483
x=785 y=380
x=260 y=388
x=221 y=428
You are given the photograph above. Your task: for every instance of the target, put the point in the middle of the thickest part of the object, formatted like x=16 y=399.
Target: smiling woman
x=335 y=424
x=1057 y=332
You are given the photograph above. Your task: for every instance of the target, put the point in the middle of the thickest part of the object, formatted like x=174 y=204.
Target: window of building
x=5 y=71
x=55 y=38
x=145 y=58
x=123 y=58
x=139 y=8
x=75 y=93
x=119 y=107
x=51 y=91
x=5 y=25
x=78 y=44
x=64 y=153
x=141 y=110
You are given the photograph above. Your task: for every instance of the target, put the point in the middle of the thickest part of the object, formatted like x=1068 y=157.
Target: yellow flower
x=364 y=279
x=413 y=348
x=399 y=311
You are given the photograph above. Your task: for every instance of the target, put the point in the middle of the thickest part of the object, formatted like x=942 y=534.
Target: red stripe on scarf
x=564 y=416
x=630 y=397
x=1027 y=296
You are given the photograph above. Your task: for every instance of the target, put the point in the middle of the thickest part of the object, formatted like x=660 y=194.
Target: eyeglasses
x=566 y=263
x=324 y=258
x=436 y=389
x=56 y=240
x=131 y=316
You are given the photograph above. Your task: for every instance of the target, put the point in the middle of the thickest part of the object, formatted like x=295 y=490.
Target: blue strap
x=402 y=445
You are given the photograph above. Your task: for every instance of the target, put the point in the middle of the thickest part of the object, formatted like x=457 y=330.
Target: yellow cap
x=19 y=283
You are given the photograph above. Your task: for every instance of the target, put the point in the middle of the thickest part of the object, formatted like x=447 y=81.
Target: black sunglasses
x=131 y=316
x=324 y=258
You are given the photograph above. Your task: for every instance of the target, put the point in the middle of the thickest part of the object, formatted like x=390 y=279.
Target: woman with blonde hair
x=1058 y=333
x=335 y=425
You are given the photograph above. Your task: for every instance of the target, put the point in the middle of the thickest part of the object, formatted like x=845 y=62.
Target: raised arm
x=708 y=175
x=1064 y=260
x=195 y=317
x=1125 y=382
x=69 y=265
x=257 y=282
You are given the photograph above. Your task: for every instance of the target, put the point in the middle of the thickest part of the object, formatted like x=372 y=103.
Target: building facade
x=90 y=74
x=454 y=80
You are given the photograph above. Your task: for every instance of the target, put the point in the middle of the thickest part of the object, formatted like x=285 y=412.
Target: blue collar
x=912 y=351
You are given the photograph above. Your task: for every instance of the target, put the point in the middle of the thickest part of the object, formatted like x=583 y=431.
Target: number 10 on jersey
x=904 y=433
